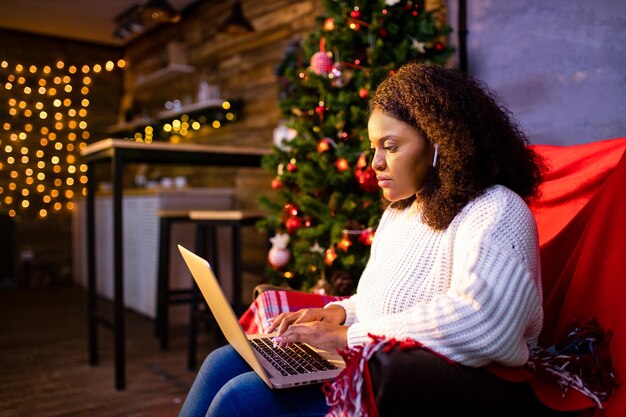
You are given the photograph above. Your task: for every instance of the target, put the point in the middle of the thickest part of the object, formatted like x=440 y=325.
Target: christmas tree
x=327 y=203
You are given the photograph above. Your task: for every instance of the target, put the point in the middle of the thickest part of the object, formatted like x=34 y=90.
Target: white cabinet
x=141 y=237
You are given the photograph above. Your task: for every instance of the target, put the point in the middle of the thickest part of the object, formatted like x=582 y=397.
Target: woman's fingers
x=318 y=334
x=284 y=320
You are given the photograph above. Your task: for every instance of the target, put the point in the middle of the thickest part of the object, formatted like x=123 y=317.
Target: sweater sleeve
x=492 y=308
x=349 y=305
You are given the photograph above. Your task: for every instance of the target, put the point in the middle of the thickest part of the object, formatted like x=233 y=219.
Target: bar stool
x=208 y=221
x=165 y=295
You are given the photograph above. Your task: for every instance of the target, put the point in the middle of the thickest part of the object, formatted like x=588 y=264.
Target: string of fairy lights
x=43 y=129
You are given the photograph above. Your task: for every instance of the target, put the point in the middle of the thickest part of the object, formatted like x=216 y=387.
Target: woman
x=454 y=264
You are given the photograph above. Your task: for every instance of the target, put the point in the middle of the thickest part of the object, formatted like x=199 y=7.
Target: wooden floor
x=43 y=360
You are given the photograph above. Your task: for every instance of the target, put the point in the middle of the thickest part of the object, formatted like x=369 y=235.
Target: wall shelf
x=164 y=74
x=213 y=105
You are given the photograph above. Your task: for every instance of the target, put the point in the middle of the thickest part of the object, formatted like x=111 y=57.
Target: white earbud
x=435 y=155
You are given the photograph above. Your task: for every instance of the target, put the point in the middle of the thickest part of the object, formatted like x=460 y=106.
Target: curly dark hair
x=479 y=143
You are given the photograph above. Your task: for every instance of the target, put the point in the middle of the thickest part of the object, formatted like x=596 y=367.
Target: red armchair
x=581 y=218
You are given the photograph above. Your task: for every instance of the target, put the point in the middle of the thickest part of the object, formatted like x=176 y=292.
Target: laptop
x=298 y=364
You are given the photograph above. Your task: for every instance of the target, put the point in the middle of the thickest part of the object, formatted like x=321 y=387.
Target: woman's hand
x=332 y=314
x=319 y=327
x=322 y=335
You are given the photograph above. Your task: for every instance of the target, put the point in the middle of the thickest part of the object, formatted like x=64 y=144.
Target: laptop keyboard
x=295 y=359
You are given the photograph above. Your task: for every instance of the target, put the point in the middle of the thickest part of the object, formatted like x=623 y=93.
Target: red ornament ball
x=366 y=237
x=367 y=179
x=321 y=63
x=292 y=224
x=291 y=167
x=276 y=184
x=355 y=14
x=363 y=93
x=439 y=46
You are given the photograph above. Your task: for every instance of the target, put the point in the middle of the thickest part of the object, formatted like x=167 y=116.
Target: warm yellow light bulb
x=72 y=69
x=58 y=146
x=97 y=68
x=68 y=88
x=60 y=64
x=43 y=213
x=25 y=203
x=57 y=206
x=47 y=69
x=41 y=176
x=43 y=115
x=42 y=90
x=109 y=65
x=121 y=63
x=46 y=199
x=85 y=69
x=86 y=80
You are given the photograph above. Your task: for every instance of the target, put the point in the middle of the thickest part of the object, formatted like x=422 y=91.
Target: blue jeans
x=227 y=386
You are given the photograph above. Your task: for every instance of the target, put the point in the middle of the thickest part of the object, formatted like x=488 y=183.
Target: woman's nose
x=378 y=162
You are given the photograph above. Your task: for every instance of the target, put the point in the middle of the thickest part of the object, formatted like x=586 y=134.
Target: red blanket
x=581 y=218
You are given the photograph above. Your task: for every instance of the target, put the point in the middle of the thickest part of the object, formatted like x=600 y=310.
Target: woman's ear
x=435 y=155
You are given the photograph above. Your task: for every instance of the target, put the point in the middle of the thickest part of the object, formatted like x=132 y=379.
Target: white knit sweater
x=471 y=292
